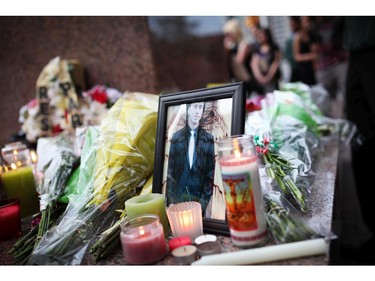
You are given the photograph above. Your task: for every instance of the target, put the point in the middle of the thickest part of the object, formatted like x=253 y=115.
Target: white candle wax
x=266 y=254
x=205 y=238
x=240 y=174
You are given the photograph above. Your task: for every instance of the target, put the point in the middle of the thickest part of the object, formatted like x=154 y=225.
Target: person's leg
x=360 y=104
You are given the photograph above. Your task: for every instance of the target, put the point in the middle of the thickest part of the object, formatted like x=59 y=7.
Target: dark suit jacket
x=195 y=184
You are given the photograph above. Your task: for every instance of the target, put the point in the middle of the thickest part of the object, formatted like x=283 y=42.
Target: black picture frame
x=234 y=93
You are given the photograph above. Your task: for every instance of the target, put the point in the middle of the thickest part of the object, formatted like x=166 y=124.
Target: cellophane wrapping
x=115 y=162
x=289 y=132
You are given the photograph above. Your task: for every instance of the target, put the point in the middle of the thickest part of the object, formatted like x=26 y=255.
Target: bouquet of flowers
x=286 y=133
x=113 y=168
x=60 y=162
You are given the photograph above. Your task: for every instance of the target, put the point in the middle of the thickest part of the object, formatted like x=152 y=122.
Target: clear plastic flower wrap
x=284 y=222
x=113 y=167
x=286 y=139
x=56 y=163
x=294 y=138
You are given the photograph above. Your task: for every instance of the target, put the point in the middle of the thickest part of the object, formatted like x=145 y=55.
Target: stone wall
x=113 y=50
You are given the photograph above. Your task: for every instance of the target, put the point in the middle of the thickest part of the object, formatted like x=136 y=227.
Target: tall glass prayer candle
x=243 y=193
x=19 y=183
x=142 y=240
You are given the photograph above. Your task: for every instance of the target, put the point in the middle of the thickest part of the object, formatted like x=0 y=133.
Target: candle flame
x=186 y=220
x=237 y=154
x=14 y=166
x=141 y=231
x=15 y=152
x=33 y=156
x=237 y=149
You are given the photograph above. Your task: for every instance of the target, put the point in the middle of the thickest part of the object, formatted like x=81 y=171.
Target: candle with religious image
x=243 y=193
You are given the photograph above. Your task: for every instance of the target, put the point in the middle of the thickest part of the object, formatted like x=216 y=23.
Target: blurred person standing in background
x=359 y=40
x=265 y=62
x=305 y=51
x=294 y=24
x=331 y=63
x=239 y=52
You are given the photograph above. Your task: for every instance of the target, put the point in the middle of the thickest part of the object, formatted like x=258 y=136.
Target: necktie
x=191 y=148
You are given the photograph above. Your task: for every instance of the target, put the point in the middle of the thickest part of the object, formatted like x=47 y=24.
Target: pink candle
x=178 y=242
x=10 y=218
x=142 y=240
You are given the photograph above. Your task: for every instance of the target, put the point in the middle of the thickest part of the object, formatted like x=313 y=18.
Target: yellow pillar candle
x=152 y=203
x=19 y=183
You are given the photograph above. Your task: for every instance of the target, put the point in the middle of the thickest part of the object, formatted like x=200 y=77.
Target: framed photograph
x=186 y=162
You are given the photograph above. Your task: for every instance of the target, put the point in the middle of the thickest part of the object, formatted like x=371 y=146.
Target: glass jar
x=142 y=239
x=243 y=193
x=17 y=153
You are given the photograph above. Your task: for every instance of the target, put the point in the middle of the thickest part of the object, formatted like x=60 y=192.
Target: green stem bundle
x=108 y=240
x=277 y=167
x=24 y=247
x=283 y=225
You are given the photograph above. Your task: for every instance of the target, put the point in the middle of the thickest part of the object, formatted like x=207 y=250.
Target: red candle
x=178 y=242
x=10 y=218
x=142 y=240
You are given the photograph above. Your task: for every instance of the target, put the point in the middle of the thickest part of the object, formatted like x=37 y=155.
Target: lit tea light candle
x=142 y=240
x=185 y=219
x=178 y=242
x=243 y=193
x=185 y=254
x=19 y=183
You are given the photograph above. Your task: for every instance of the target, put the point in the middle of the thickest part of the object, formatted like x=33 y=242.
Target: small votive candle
x=185 y=254
x=178 y=242
x=209 y=248
x=142 y=240
x=185 y=219
x=152 y=203
x=10 y=218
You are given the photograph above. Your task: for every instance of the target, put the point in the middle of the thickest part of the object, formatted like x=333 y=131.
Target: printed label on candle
x=241 y=213
x=243 y=195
